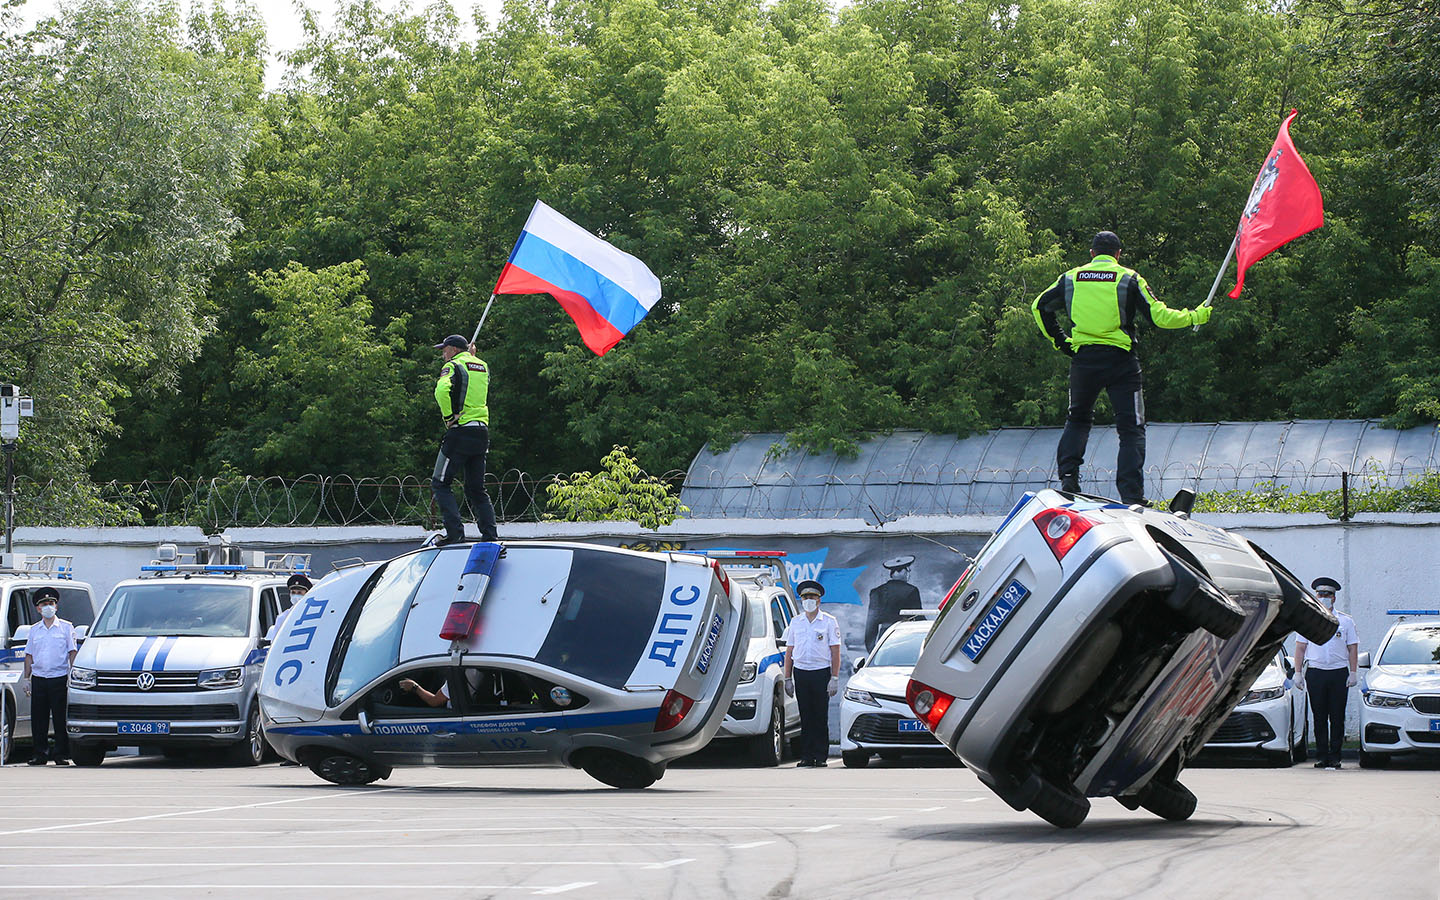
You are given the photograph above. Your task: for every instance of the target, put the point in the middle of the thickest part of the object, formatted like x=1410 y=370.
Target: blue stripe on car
x=144 y=651
x=166 y=645
x=773 y=659
x=571 y=722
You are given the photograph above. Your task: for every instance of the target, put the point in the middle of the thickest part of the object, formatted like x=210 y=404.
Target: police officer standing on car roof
x=49 y=653
x=888 y=599
x=812 y=671
x=1328 y=672
x=1105 y=302
x=462 y=391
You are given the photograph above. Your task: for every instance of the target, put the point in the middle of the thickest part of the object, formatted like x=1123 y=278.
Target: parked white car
x=1271 y=721
x=874 y=717
x=1400 y=694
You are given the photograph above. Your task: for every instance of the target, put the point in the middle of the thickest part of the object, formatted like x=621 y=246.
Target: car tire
x=8 y=727
x=1168 y=800
x=620 y=770
x=1310 y=620
x=250 y=750
x=1374 y=760
x=1201 y=603
x=769 y=748
x=86 y=754
x=855 y=759
x=1060 y=807
x=344 y=769
x=1301 y=751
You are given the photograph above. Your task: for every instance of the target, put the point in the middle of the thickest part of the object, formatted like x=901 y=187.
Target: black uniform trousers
x=812 y=694
x=1328 y=694
x=47 y=704
x=462 y=452
x=1097 y=367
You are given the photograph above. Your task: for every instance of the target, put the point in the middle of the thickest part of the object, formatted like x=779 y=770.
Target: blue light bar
x=218 y=568
x=1412 y=612
x=725 y=551
x=159 y=568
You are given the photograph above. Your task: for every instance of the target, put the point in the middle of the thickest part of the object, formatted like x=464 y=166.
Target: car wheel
x=86 y=754
x=1061 y=807
x=1374 y=760
x=1309 y=619
x=620 y=770
x=1200 y=602
x=1299 y=751
x=342 y=768
x=855 y=759
x=250 y=751
x=767 y=749
x=1168 y=800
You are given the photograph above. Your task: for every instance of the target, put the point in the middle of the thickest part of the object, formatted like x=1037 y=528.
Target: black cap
x=1323 y=583
x=811 y=586
x=1106 y=242
x=299 y=579
x=458 y=341
x=46 y=593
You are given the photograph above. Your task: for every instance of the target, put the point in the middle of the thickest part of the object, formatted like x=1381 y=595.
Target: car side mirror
x=21 y=635
x=1289 y=665
x=269 y=637
x=1182 y=502
x=1364 y=660
x=859 y=663
x=80 y=632
x=780 y=642
x=364 y=720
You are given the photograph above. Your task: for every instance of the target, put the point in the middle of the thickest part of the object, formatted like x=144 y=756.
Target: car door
x=18 y=613
x=401 y=729
x=781 y=612
x=514 y=717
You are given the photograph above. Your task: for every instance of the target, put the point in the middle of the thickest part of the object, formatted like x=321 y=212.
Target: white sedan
x=1271 y=720
x=874 y=717
x=1400 y=708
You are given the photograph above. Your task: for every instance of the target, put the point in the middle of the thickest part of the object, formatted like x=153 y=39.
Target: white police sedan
x=1092 y=649
x=1400 y=693
x=1272 y=720
x=612 y=661
x=874 y=717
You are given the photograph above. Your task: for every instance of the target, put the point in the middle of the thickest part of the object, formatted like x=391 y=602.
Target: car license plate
x=911 y=725
x=993 y=619
x=702 y=665
x=142 y=727
x=1435 y=724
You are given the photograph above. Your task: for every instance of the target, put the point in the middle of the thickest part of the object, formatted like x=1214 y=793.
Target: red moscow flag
x=1284 y=204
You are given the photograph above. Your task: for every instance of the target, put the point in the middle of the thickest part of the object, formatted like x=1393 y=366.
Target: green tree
x=619 y=492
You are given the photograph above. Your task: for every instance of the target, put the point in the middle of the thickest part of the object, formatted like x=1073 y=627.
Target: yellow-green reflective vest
x=1103 y=300
x=463 y=389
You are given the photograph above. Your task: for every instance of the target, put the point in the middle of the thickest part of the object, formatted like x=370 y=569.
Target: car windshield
x=177 y=608
x=901 y=648
x=1413 y=647
x=372 y=646
x=602 y=627
x=759 y=613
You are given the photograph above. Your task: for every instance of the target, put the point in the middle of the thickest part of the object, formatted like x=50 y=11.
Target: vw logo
x=145 y=682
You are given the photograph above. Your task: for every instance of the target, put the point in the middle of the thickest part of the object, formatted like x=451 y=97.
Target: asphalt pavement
x=149 y=827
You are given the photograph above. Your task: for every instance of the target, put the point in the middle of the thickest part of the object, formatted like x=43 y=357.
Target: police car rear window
x=604 y=621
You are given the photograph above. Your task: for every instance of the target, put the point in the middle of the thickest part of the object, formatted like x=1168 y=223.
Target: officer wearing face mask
x=1328 y=672
x=49 y=653
x=812 y=672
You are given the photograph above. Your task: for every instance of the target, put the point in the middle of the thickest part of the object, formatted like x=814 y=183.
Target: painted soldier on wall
x=889 y=598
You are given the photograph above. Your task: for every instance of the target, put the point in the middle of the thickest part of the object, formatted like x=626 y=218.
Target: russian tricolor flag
x=605 y=290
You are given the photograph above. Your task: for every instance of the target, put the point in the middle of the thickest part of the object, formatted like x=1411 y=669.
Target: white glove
x=1299 y=683
x=790 y=687
x=834 y=685
x=1350 y=681
x=26 y=685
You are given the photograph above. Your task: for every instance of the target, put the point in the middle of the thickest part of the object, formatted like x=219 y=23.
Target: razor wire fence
x=230 y=501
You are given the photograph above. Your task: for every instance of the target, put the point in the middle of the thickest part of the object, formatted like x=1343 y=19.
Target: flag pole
x=486 y=313
x=1221 y=274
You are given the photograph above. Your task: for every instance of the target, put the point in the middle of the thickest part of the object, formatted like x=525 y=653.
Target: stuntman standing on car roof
x=1323 y=669
x=462 y=391
x=1105 y=303
x=812 y=672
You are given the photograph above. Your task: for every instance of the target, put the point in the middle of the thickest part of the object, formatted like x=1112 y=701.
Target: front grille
x=900 y=700
x=884 y=728
x=1376 y=733
x=1243 y=728
x=1429 y=704
x=1424 y=737
x=165 y=682
x=202 y=711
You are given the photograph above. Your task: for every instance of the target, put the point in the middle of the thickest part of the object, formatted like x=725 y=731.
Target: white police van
x=173 y=660
x=20 y=576
x=1400 y=694
x=760 y=714
x=608 y=660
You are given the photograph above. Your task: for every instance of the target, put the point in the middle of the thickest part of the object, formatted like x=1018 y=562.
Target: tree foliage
x=619 y=492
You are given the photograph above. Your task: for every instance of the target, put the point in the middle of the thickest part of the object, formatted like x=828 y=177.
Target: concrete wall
x=1382 y=560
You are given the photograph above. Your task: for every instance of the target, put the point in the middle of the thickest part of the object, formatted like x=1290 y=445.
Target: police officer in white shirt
x=1324 y=669
x=812 y=671
x=49 y=653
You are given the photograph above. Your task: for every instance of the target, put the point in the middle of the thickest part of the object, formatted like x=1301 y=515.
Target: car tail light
x=673 y=710
x=724 y=578
x=928 y=703
x=950 y=595
x=1061 y=528
x=460 y=621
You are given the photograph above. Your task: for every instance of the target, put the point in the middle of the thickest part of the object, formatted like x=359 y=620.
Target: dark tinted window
x=603 y=625
x=1413 y=647
x=75 y=606
x=177 y=608
x=19 y=613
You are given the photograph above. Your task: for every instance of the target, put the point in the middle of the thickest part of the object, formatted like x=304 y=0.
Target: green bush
x=620 y=492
